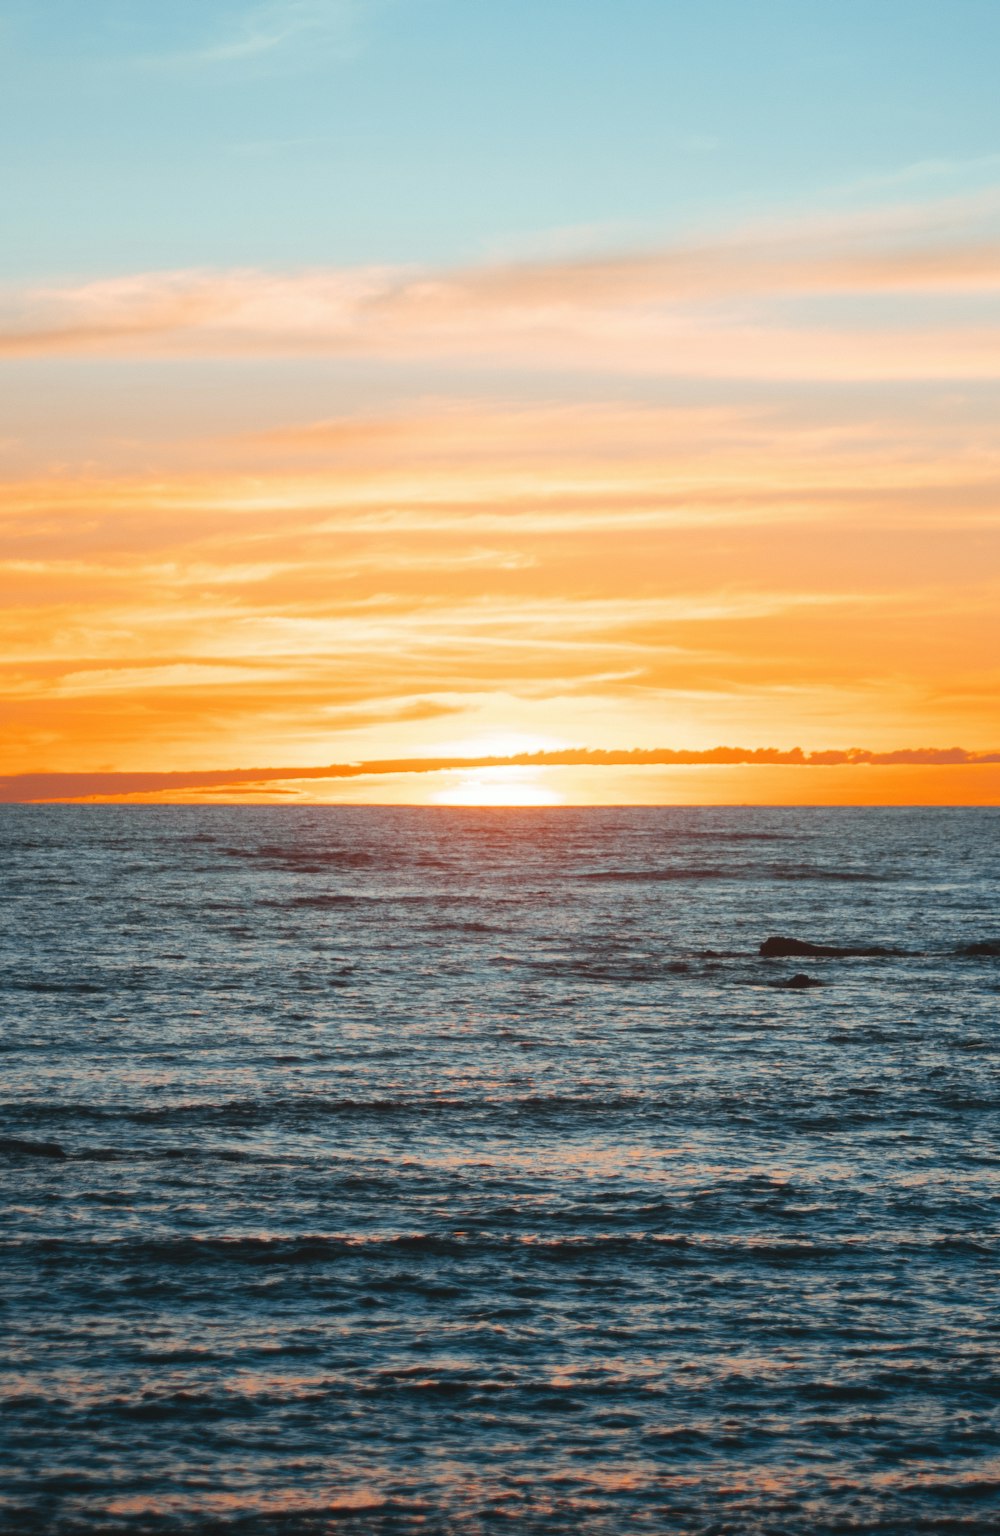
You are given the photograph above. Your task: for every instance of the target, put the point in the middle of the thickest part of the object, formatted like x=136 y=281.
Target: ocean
x=451 y=1170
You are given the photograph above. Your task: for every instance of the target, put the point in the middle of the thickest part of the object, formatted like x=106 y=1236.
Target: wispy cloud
x=603 y=564
x=277 y=30
x=528 y=561
x=927 y=172
x=756 y=304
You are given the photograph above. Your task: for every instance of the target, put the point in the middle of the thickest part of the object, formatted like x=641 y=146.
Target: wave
x=677 y=873
x=74 y=988
x=688 y=1246
x=300 y=1115
x=469 y=926
x=818 y=872
x=580 y=970
x=811 y=872
x=722 y=836
x=318 y=861
x=274 y=853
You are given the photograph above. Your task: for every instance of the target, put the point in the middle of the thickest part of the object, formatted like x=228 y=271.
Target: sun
x=500 y=786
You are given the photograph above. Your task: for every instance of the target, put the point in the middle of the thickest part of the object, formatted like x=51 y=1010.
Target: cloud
x=937 y=168
x=750 y=572
x=33 y=787
x=756 y=304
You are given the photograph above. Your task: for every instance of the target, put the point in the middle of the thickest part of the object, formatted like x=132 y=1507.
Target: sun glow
x=500 y=786
x=502 y=743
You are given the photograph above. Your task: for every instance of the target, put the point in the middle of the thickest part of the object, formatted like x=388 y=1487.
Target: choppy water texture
x=464 y=1171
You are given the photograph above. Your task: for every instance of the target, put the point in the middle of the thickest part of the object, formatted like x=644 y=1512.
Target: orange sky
x=741 y=490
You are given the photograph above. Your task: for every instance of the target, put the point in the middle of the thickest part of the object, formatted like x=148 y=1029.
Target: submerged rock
x=800 y=980
x=780 y=947
x=14 y=1146
x=984 y=949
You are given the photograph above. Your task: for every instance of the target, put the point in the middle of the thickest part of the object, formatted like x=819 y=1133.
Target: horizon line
x=46 y=785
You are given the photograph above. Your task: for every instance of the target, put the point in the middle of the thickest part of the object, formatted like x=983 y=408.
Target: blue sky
x=294 y=132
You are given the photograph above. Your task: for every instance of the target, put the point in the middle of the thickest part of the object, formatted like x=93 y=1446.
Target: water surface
x=401 y=1170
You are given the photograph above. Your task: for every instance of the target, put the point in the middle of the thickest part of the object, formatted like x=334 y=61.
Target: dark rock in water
x=800 y=980
x=779 y=947
x=15 y=1147
x=985 y=949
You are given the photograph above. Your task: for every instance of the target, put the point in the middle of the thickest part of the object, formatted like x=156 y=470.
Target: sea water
x=426 y=1170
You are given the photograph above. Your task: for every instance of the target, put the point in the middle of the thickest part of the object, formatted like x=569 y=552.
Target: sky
x=393 y=380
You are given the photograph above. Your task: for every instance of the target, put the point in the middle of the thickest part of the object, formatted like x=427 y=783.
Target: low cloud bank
x=34 y=787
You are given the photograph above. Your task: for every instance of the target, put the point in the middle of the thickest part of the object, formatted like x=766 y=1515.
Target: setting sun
x=500 y=786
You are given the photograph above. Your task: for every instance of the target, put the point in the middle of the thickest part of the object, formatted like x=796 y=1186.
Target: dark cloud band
x=28 y=787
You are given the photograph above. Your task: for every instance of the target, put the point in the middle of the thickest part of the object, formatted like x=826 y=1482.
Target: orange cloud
x=604 y=570
x=717 y=309
x=594 y=510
